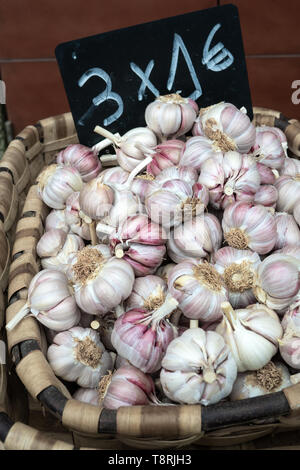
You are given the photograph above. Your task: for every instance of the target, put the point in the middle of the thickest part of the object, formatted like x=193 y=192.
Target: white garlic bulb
x=56 y=219
x=289 y=345
x=251 y=333
x=270 y=146
x=198 y=368
x=87 y=395
x=133 y=145
x=148 y=292
x=73 y=219
x=55 y=247
x=288 y=188
x=197 y=150
x=288 y=232
x=77 y=355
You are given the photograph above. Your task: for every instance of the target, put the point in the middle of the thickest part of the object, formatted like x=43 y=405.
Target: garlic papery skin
x=288 y=188
x=128 y=386
x=100 y=282
x=60 y=260
x=56 y=219
x=51 y=243
x=171 y=116
x=292 y=250
x=248 y=226
x=266 y=195
x=148 y=292
x=199 y=289
x=251 y=333
x=198 y=367
x=82 y=158
x=125 y=204
x=141 y=243
x=133 y=145
x=271 y=378
x=50 y=301
x=278 y=281
x=238 y=269
x=288 y=232
x=75 y=222
x=229 y=178
x=289 y=345
x=164 y=271
x=165 y=155
x=77 y=355
x=267 y=176
x=290 y=167
x=142 y=337
x=197 y=150
x=196 y=238
x=228 y=127
x=268 y=148
x=95 y=199
x=56 y=183
x=87 y=395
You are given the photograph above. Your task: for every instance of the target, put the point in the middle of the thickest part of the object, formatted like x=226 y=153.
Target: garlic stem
x=228 y=312
x=105 y=228
x=104 y=143
x=108 y=160
x=209 y=375
x=109 y=135
x=137 y=170
x=165 y=309
x=93 y=234
x=194 y=323
x=18 y=317
x=95 y=325
x=119 y=252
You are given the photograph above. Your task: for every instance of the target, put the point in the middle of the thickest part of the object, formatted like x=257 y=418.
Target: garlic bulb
x=141 y=243
x=198 y=368
x=172 y=198
x=133 y=145
x=164 y=271
x=127 y=386
x=50 y=300
x=171 y=116
x=125 y=204
x=296 y=212
x=87 y=395
x=197 y=150
x=288 y=232
x=278 y=281
x=271 y=378
x=140 y=184
x=196 y=238
x=73 y=219
x=142 y=336
x=165 y=155
x=251 y=333
x=267 y=175
x=56 y=219
x=229 y=178
x=288 y=188
x=55 y=246
x=96 y=199
x=290 y=167
x=269 y=147
x=77 y=355
x=56 y=183
x=199 y=289
x=289 y=345
x=238 y=269
x=293 y=250
x=148 y=292
x=266 y=195
x=100 y=282
x=249 y=226
x=228 y=127
x=82 y=158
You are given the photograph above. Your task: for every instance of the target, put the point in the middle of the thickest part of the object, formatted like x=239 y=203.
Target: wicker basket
x=22 y=215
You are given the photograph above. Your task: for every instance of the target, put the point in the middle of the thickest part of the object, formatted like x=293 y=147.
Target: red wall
x=31 y=29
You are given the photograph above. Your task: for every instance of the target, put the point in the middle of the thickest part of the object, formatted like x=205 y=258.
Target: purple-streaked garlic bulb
x=125 y=204
x=292 y=250
x=266 y=195
x=95 y=200
x=238 y=270
x=197 y=150
x=148 y=292
x=55 y=246
x=73 y=219
x=164 y=271
x=288 y=188
x=271 y=378
x=289 y=345
x=269 y=147
x=251 y=333
x=127 y=386
x=199 y=289
x=56 y=219
x=87 y=395
x=267 y=175
x=198 y=367
x=56 y=183
x=173 y=197
x=133 y=146
x=248 y=226
x=142 y=336
x=51 y=301
x=100 y=282
x=278 y=281
x=288 y=232
x=77 y=355
x=165 y=155
x=171 y=116
x=290 y=167
x=228 y=127
x=196 y=238
x=141 y=243
x=229 y=178
x=82 y=158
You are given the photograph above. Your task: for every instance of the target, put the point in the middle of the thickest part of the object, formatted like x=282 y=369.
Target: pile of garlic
x=172 y=276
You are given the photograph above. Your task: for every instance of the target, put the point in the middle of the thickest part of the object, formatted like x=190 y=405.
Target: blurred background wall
x=31 y=29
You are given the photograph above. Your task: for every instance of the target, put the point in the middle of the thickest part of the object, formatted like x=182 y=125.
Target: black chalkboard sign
x=111 y=77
